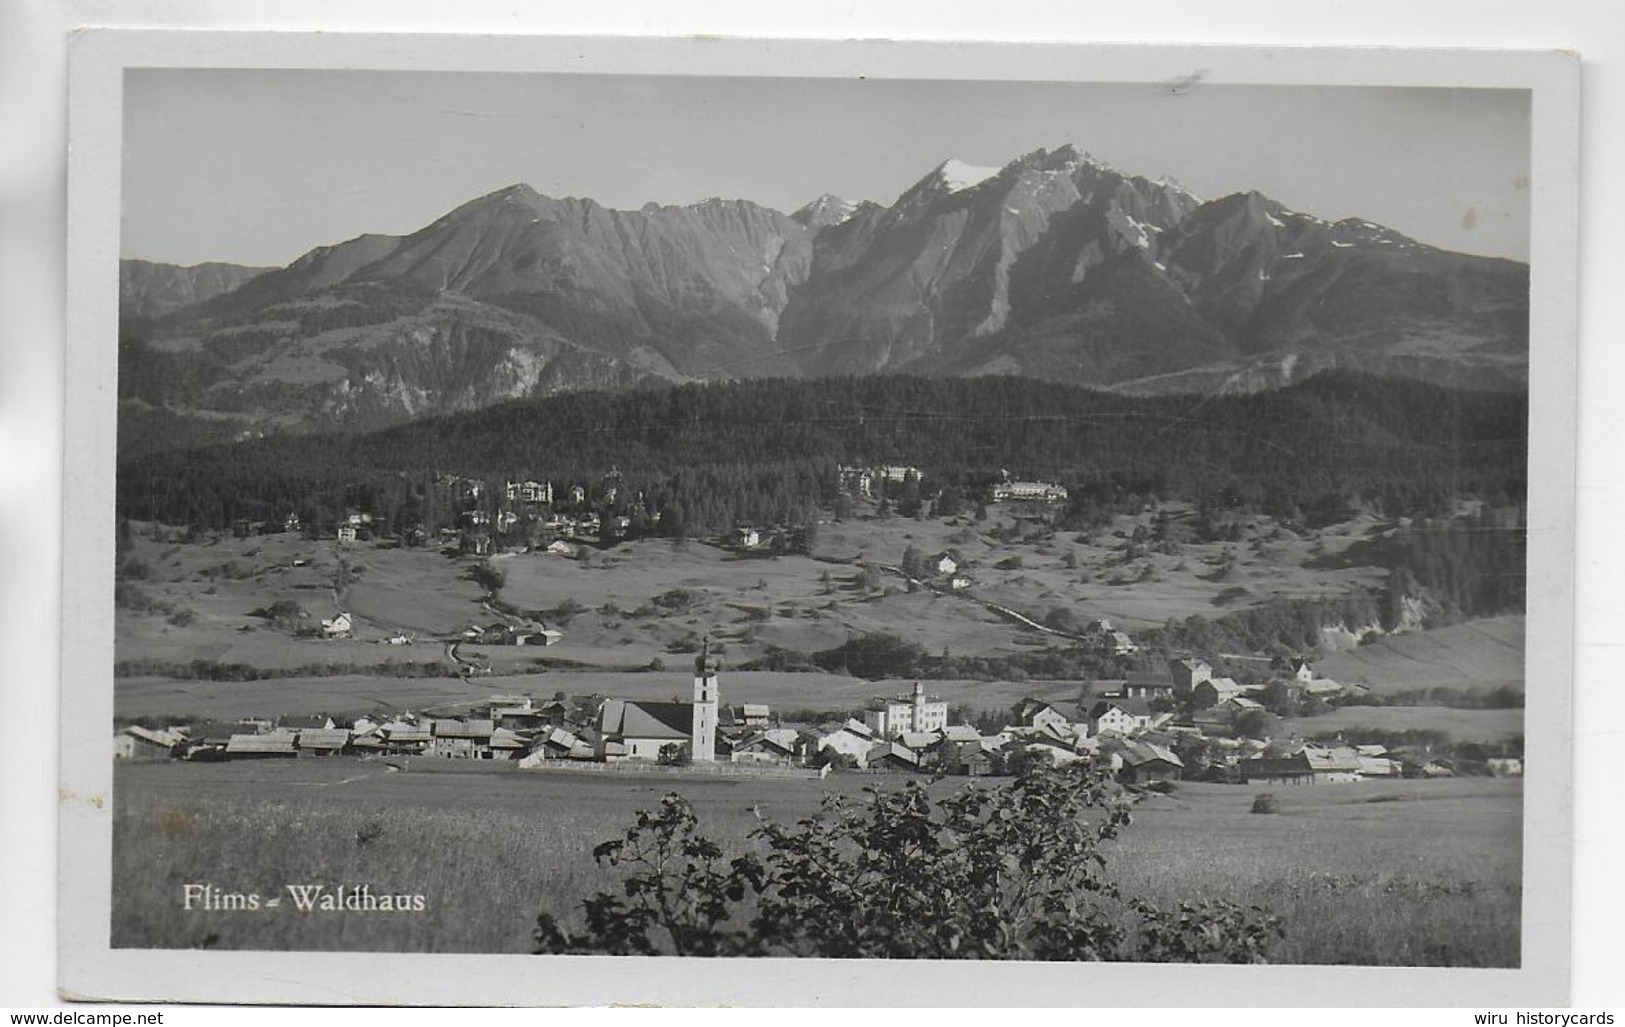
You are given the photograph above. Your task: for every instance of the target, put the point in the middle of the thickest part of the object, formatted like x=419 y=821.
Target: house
x=946 y=564
x=1187 y=673
x=323 y=741
x=337 y=626
x=852 y=739
x=1120 y=716
x=1117 y=643
x=630 y=729
x=751 y=714
x=559 y=547
x=972 y=759
x=775 y=745
x=1037 y=713
x=1058 y=752
x=888 y=718
x=578 y=495
x=1146 y=685
x=1378 y=766
x=475 y=544
x=1311 y=764
x=959 y=582
x=747 y=538
x=137 y=744
x=1144 y=762
x=892 y=756
x=1505 y=766
x=292 y=523
x=461 y=739
x=404 y=738
x=347 y=534
x=265 y=745
x=506 y=744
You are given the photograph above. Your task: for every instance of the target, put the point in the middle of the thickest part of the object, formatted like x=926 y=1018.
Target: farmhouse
x=889 y=718
x=337 y=626
x=144 y=745
x=1122 y=717
x=751 y=714
x=461 y=739
x=852 y=739
x=1312 y=764
x=1146 y=684
x=946 y=564
x=1037 y=713
x=268 y=744
x=775 y=745
x=892 y=756
x=972 y=759
x=1144 y=762
x=404 y=738
x=323 y=741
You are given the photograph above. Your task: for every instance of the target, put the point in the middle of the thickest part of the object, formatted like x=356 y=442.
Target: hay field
x=1484 y=653
x=751 y=602
x=1460 y=725
x=1405 y=872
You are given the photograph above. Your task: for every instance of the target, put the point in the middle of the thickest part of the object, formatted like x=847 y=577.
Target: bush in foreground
x=1009 y=873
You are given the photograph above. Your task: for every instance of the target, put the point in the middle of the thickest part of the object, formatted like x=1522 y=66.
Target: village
x=1136 y=728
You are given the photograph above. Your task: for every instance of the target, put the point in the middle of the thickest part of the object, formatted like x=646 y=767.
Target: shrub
x=1265 y=803
x=1009 y=873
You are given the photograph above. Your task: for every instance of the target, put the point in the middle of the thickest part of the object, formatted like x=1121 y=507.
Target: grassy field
x=803 y=603
x=1460 y=725
x=1405 y=872
x=1484 y=653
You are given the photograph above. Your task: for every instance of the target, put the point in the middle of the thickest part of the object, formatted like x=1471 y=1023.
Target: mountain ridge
x=1055 y=265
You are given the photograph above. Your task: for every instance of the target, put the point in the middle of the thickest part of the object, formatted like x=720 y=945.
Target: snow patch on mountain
x=958 y=175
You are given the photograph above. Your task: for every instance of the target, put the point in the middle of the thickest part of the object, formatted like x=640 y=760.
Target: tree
x=914 y=562
x=488 y=576
x=1014 y=872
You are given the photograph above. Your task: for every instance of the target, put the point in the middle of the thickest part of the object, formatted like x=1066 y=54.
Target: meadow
x=605 y=601
x=1391 y=873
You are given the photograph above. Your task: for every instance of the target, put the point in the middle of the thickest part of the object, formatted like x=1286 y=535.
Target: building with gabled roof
x=1120 y=716
x=892 y=756
x=1030 y=712
x=144 y=745
x=638 y=729
x=323 y=741
x=1144 y=762
x=267 y=744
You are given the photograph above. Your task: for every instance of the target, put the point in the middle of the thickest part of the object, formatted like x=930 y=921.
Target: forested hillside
x=766 y=451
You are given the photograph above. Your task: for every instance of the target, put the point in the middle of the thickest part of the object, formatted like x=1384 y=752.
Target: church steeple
x=707 y=693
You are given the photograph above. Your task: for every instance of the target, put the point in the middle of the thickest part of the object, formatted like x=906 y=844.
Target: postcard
x=846 y=523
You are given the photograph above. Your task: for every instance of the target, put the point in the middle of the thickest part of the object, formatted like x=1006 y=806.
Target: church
x=638 y=730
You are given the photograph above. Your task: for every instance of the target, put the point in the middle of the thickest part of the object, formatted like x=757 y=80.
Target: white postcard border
x=90 y=969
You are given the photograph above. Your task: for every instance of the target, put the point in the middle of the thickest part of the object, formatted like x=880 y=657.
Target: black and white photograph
x=691 y=509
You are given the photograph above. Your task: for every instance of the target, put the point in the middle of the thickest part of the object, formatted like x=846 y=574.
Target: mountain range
x=1054 y=266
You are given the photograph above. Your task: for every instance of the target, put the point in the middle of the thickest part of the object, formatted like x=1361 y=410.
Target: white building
x=889 y=718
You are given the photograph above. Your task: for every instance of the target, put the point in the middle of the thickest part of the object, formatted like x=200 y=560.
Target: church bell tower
x=703 y=736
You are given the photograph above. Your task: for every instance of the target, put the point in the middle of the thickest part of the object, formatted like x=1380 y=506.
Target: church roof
x=623 y=718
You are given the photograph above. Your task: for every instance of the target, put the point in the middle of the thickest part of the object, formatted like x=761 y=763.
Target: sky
x=257 y=167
